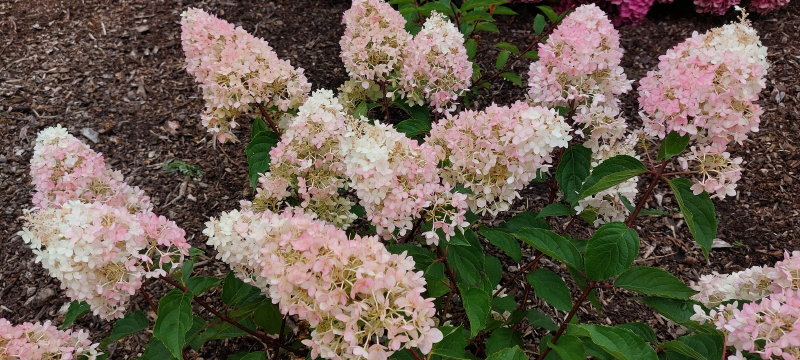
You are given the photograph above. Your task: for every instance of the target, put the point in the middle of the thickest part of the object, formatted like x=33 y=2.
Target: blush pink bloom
x=717 y=173
x=361 y=300
x=374 y=40
x=37 y=341
x=236 y=70
x=497 y=151
x=707 y=87
x=435 y=65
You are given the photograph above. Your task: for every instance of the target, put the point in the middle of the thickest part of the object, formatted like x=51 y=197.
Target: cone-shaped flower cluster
x=706 y=87
x=236 y=70
x=578 y=65
x=361 y=300
x=37 y=341
x=431 y=67
x=769 y=323
x=435 y=64
x=91 y=230
x=374 y=40
x=497 y=151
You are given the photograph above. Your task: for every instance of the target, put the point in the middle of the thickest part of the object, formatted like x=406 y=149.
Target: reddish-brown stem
x=679 y=173
x=647 y=193
x=522 y=271
x=263 y=337
x=416 y=355
x=450 y=275
x=149 y=300
x=570 y=315
x=268 y=119
x=413 y=231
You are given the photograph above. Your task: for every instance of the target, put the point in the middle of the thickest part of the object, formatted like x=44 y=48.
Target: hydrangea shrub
x=373 y=205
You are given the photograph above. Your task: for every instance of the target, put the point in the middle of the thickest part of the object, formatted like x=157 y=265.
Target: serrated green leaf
x=453 y=344
x=511 y=48
x=502 y=59
x=236 y=292
x=438 y=7
x=573 y=169
x=654 y=282
x=551 y=288
x=698 y=211
x=437 y=281
x=200 y=284
x=609 y=173
x=673 y=144
x=548 y=11
x=611 y=250
x=502 y=10
x=514 y=353
x=552 y=245
x=620 y=343
x=268 y=317
x=414 y=127
x=698 y=347
x=478 y=306
x=531 y=55
x=422 y=257
x=76 y=309
x=569 y=348
x=642 y=330
x=538 y=319
x=539 y=23
x=259 y=125
x=174 y=321
x=257 y=152
x=512 y=77
x=248 y=356
x=487 y=27
x=131 y=323
x=679 y=311
x=502 y=338
x=525 y=219
x=503 y=240
x=472 y=47
x=555 y=209
x=156 y=350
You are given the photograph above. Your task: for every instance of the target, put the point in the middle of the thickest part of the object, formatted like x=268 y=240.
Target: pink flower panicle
x=717 y=172
x=37 y=341
x=374 y=40
x=361 y=300
x=765 y=6
x=435 y=65
x=497 y=151
x=236 y=70
x=578 y=65
x=715 y=7
x=707 y=86
x=308 y=160
x=63 y=168
x=395 y=177
x=91 y=230
x=768 y=325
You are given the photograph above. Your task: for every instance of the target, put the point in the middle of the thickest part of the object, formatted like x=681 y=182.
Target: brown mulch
x=117 y=68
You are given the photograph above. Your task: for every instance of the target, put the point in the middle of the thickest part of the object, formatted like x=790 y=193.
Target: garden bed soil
x=116 y=68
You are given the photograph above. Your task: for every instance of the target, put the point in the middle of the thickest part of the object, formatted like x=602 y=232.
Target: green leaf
x=698 y=211
x=511 y=48
x=502 y=338
x=488 y=27
x=573 y=170
x=551 y=288
x=552 y=245
x=514 y=353
x=257 y=152
x=503 y=240
x=193 y=252
x=525 y=219
x=569 y=348
x=174 y=320
x=156 y=350
x=642 y=330
x=363 y=109
x=422 y=257
x=76 y=309
x=673 y=144
x=200 y=284
x=538 y=319
x=259 y=125
x=611 y=250
x=131 y=323
x=472 y=47
x=539 y=24
x=236 y=292
x=548 y=11
x=620 y=343
x=478 y=306
x=531 y=55
x=698 y=347
x=414 y=127
x=268 y=317
x=502 y=59
x=438 y=7
x=502 y=10
x=555 y=209
x=437 y=280
x=654 y=282
x=453 y=344
x=512 y=77
x=679 y=311
x=609 y=173
x=248 y=356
